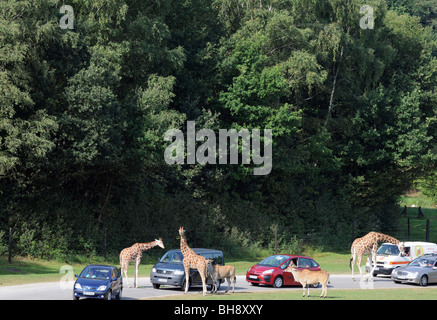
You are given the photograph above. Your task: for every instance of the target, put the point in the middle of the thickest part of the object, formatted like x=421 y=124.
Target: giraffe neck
x=385 y=238
x=184 y=246
x=146 y=246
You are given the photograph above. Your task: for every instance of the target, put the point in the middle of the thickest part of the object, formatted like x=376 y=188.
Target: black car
x=99 y=282
x=170 y=271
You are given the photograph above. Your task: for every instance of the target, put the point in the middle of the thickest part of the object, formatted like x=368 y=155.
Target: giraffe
x=192 y=260
x=135 y=253
x=368 y=245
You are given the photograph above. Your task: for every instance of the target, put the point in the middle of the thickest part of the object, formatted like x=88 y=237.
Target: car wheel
x=118 y=297
x=278 y=282
x=424 y=280
x=156 y=286
x=254 y=284
x=316 y=285
x=75 y=298
x=183 y=285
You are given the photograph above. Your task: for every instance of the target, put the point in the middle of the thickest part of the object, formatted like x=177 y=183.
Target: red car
x=270 y=271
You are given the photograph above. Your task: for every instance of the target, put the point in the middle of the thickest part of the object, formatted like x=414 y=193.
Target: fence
x=108 y=245
x=420 y=215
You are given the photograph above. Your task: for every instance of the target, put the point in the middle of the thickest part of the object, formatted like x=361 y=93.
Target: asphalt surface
x=63 y=290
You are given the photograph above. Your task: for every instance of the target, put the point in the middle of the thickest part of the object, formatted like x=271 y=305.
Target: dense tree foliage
x=83 y=113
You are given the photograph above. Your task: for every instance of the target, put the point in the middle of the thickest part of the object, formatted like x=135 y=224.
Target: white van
x=388 y=256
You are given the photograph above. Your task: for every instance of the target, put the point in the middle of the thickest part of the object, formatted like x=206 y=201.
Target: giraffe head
x=159 y=243
x=401 y=247
x=182 y=232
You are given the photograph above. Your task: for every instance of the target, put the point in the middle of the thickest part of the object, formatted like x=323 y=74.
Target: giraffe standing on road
x=368 y=245
x=192 y=260
x=135 y=253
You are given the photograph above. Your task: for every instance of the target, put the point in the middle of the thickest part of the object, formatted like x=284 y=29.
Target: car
x=98 y=282
x=169 y=269
x=388 y=256
x=271 y=270
x=422 y=271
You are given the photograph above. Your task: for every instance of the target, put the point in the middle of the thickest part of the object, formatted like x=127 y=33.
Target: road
x=63 y=290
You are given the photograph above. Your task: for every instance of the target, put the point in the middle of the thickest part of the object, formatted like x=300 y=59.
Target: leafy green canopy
x=83 y=113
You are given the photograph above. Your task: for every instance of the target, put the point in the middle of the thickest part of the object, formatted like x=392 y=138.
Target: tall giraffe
x=135 y=253
x=192 y=260
x=368 y=245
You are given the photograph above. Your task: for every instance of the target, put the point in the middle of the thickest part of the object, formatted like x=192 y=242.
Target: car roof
x=198 y=250
x=100 y=265
x=291 y=255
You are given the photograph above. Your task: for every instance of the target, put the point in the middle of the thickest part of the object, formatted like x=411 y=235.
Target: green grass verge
x=408 y=293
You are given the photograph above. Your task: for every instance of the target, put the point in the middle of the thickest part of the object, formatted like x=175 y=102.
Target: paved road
x=63 y=290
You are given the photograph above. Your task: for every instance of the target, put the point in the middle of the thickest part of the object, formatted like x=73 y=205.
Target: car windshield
x=98 y=273
x=388 y=249
x=172 y=257
x=422 y=262
x=273 y=261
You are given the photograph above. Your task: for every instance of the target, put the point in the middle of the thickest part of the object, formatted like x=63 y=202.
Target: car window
x=172 y=257
x=422 y=262
x=314 y=264
x=95 y=272
x=388 y=249
x=216 y=257
x=273 y=261
x=285 y=264
x=304 y=263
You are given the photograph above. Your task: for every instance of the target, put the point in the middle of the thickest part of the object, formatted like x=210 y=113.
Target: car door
x=115 y=284
x=432 y=275
x=287 y=276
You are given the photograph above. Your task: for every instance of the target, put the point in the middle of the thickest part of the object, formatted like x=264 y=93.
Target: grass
x=24 y=270
x=418 y=225
x=409 y=293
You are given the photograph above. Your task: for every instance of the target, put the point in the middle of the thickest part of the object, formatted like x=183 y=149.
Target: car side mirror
x=76 y=276
x=114 y=279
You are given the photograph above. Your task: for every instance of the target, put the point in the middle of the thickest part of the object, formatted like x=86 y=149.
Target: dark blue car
x=98 y=282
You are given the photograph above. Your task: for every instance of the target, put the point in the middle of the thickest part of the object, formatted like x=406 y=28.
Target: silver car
x=422 y=270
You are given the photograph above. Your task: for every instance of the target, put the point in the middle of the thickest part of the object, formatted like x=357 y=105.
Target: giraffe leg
x=308 y=290
x=187 y=278
x=202 y=276
x=233 y=285
x=373 y=263
x=353 y=260
x=137 y=264
x=359 y=264
x=124 y=267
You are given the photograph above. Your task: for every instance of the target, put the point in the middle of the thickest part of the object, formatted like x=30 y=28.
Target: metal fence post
x=10 y=245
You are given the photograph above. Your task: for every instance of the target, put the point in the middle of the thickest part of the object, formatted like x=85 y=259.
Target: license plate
x=162 y=280
x=88 y=293
x=253 y=277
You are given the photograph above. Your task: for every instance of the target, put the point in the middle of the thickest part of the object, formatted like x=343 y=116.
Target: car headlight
x=153 y=269
x=101 y=288
x=414 y=274
x=179 y=272
x=269 y=271
x=77 y=286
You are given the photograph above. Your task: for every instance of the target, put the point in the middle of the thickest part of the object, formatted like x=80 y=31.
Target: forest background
x=83 y=113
